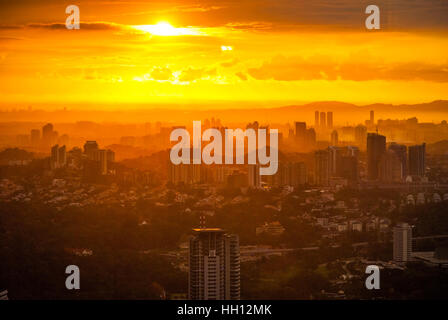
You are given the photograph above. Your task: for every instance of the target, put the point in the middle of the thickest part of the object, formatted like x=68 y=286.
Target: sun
x=164 y=28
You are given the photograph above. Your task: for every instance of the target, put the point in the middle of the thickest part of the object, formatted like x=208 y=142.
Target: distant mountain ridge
x=343 y=112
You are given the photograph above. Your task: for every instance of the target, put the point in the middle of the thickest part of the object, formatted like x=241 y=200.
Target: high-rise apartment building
x=401 y=152
x=323 y=120
x=334 y=139
x=214 y=261
x=101 y=157
x=316 y=119
x=322 y=167
x=90 y=148
x=360 y=135
x=330 y=120
x=390 y=167
x=35 y=137
x=376 y=146
x=300 y=132
x=58 y=158
x=417 y=156
x=334 y=156
x=48 y=135
x=402 y=242
x=253 y=175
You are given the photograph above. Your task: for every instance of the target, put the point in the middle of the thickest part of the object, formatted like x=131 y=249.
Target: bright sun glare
x=165 y=29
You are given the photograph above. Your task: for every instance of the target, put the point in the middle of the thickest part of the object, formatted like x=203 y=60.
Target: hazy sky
x=235 y=50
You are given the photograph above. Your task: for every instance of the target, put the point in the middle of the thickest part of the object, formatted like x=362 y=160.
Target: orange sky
x=268 y=51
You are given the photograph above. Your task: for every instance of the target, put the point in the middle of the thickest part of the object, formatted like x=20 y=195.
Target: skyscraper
x=360 y=135
x=316 y=119
x=54 y=158
x=35 y=137
x=322 y=167
x=101 y=157
x=48 y=135
x=402 y=242
x=376 y=146
x=300 y=133
x=62 y=156
x=330 y=120
x=214 y=261
x=323 y=120
x=253 y=175
x=390 y=167
x=334 y=138
x=372 y=117
x=310 y=138
x=417 y=156
x=401 y=152
x=90 y=148
x=334 y=156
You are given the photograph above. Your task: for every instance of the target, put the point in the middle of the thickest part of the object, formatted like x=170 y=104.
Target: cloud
x=231 y=63
x=254 y=25
x=241 y=75
x=192 y=74
x=83 y=26
x=325 y=68
x=161 y=74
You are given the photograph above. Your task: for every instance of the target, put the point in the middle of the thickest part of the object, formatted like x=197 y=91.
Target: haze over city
x=353 y=121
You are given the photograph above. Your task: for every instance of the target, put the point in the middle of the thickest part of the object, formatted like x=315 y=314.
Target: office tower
x=401 y=152
x=417 y=160
x=323 y=121
x=310 y=138
x=316 y=119
x=360 y=135
x=334 y=138
x=214 y=261
x=330 y=120
x=90 y=148
x=101 y=157
x=300 y=132
x=402 y=242
x=253 y=175
x=376 y=146
x=334 y=155
x=390 y=167
x=58 y=158
x=47 y=134
x=54 y=158
x=62 y=156
x=110 y=156
x=352 y=151
x=322 y=167
x=348 y=168
x=35 y=137
x=372 y=117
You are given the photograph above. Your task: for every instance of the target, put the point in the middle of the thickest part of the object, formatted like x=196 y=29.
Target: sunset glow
x=166 y=29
